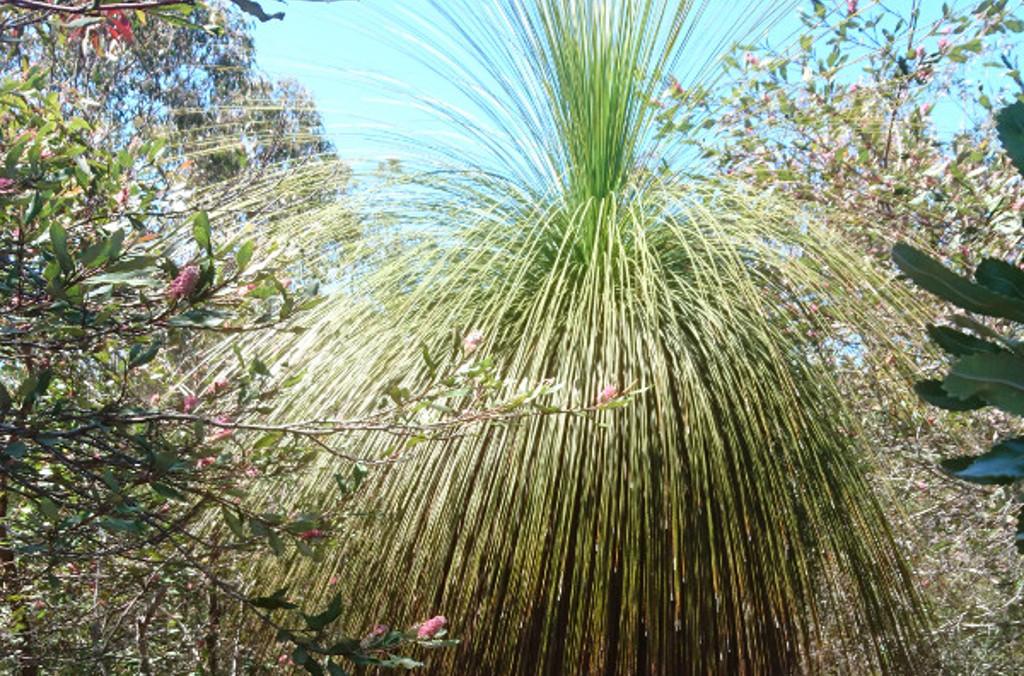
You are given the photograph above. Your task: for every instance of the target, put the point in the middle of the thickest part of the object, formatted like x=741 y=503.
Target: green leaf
x=1019 y=535
x=334 y=670
x=244 y=255
x=1010 y=125
x=59 y=239
x=275 y=601
x=201 y=231
x=168 y=492
x=234 y=522
x=1001 y=277
x=16 y=450
x=958 y=343
x=996 y=378
x=931 y=391
x=934 y=277
x=48 y=508
x=34 y=207
x=276 y=544
x=299 y=655
x=1003 y=464
x=321 y=620
x=140 y=354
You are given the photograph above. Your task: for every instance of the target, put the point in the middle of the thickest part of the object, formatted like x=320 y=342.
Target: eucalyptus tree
x=720 y=519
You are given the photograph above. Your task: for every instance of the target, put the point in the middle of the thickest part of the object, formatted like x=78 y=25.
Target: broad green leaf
x=958 y=343
x=1001 y=277
x=936 y=278
x=1010 y=125
x=1003 y=464
x=996 y=378
x=932 y=392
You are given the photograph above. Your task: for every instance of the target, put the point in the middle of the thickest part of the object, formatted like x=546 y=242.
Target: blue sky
x=341 y=51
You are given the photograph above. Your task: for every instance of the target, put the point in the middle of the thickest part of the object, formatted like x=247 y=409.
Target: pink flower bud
x=431 y=627
x=311 y=534
x=943 y=44
x=7 y=186
x=925 y=109
x=920 y=52
x=224 y=432
x=607 y=394
x=751 y=60
x=219 y=385
x=851 y=6
x=184 y=284
x=472 y=341
x=189 y=402
x=205 y=462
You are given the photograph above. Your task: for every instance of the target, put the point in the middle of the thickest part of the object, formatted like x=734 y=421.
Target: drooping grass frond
x=722 y=522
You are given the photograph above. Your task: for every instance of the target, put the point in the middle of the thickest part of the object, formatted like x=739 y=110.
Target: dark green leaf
x=59 y=240
x=275 y=601
x=334 y=670
x=1003 y=464
x=997 y=378
x=932 y=392
x=141 y=355
x=958 y=343
x=168 y=492
x=321 y=620
x=1010 y=125
x=234 y=522
x=934 y=277
x=16 y=450
x=1001 y=277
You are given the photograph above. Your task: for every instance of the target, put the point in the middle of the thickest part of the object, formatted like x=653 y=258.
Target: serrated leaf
x=1010 y=126
x=931 y=391
x=1001 y=277
x=1003 y=464
x=958 y=343
x=996 y=378
x=936 y=278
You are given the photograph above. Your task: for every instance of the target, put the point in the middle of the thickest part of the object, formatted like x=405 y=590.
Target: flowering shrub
x=129 y=481
x=844 y=121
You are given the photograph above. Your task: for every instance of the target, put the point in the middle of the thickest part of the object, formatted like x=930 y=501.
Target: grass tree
x=722 y=519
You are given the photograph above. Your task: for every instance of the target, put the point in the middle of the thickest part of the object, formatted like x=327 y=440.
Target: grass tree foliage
x=722 y=521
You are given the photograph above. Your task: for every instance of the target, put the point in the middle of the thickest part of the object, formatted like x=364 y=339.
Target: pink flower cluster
x=851 y=6
x=472 y=341
x=184 y=284
x=189 y=402
x=7 y=186
x=429 y=628
x=607 y=394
